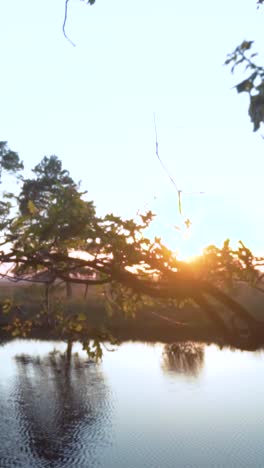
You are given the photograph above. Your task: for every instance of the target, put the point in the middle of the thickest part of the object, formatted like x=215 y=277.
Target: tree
x=9 y=160
x=54 y=222
x=49 y=179
x=10 y=163
x=52 y=217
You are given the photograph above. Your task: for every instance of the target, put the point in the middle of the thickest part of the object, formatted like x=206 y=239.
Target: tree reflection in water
x=185 y=358
x=63 y=409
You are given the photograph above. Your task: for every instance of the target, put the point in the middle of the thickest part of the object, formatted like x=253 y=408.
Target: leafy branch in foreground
x=161 y=278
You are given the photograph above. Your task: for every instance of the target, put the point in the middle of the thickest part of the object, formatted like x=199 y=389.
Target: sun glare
x=190 y=248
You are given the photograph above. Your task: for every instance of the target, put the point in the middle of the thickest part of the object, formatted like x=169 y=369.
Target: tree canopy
x=50 y=231
x=57 y=235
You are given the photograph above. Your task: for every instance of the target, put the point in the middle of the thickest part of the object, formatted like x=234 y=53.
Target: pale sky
x=92 y=105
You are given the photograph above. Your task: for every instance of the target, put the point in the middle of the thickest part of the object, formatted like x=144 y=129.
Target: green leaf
x=244 y=86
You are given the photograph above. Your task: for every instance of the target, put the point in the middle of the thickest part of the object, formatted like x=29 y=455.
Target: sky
x=92 y=105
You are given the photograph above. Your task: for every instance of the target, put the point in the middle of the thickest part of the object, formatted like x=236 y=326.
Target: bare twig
x=175 y=322
x=64 y=23
x=179 y=191
x=166 y=170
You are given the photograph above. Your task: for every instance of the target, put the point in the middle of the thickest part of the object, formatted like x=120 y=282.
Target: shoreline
x=165 y=335
x=150 y=324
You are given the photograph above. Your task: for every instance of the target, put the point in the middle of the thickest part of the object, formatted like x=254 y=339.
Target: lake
x=142 y=406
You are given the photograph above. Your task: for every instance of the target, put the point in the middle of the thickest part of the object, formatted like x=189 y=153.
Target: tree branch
x=64 y=23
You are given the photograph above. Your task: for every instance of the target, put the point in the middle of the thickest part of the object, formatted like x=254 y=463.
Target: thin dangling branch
x=179 y=191
x=166 y=170
x=64 y=23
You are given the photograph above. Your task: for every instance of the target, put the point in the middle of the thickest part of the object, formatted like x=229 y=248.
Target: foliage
x=52 y=216
x=9 y=163
x=49 y=180
x=253 y=84
x=9 y=160
x=226 y=266
x=56 y=235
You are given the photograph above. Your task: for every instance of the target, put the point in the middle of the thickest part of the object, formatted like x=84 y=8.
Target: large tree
x=52 y=217
x=54 y=222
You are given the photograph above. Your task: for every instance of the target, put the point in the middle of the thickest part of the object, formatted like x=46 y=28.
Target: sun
x=190 y=248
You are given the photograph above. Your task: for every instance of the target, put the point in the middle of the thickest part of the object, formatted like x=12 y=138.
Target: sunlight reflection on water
x=143 y=406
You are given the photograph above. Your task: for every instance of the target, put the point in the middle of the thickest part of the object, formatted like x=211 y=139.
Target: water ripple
x=145 y=407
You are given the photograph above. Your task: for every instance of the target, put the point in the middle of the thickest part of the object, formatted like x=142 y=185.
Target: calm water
x=141 y=407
